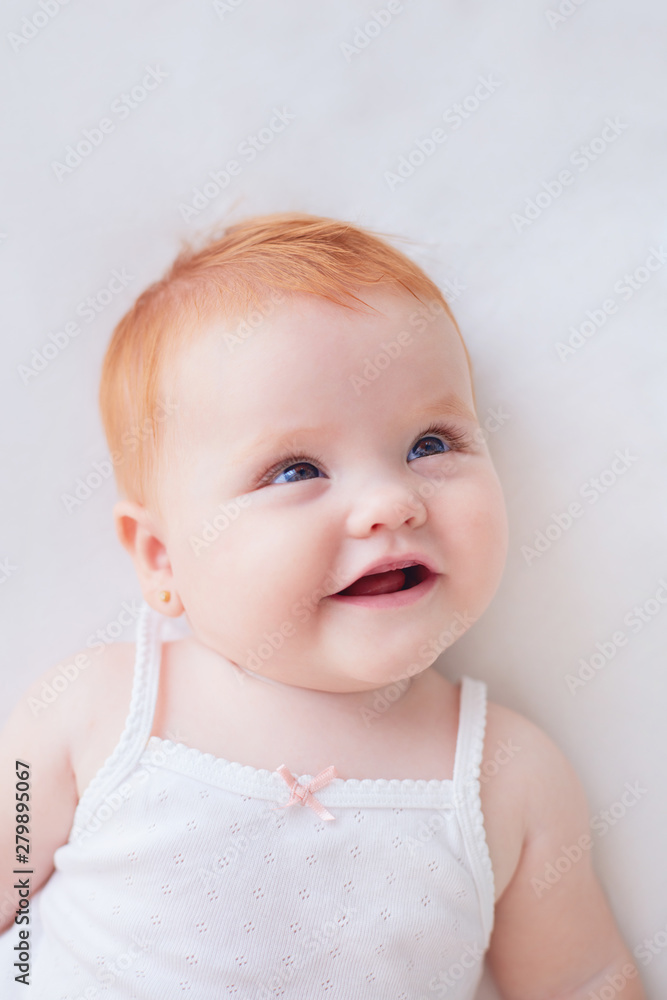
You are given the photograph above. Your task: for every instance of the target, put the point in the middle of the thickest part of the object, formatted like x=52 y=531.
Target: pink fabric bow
x=304 y=793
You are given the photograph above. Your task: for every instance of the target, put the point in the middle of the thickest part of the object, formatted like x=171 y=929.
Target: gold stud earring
x=164 y=595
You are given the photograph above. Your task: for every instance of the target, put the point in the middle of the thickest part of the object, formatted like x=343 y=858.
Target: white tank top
x=189 y=875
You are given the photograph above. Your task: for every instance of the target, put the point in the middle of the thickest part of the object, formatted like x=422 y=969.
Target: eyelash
x=456 y=439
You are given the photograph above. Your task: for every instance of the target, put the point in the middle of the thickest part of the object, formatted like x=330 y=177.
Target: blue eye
x=300 y=468
x=443 y=448
x=454 y=440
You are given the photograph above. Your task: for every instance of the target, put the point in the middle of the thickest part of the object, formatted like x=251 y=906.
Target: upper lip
x=398 y=562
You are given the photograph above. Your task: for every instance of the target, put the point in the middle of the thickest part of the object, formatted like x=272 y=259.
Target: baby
x=289 y=800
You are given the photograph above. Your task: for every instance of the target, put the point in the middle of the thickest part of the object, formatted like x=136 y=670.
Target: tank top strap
x=139 y=721
x=467 y=764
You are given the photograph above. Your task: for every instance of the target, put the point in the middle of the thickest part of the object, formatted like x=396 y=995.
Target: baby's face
x=306 y=448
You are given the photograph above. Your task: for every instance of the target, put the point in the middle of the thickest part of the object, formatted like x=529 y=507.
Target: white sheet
x=219 y=73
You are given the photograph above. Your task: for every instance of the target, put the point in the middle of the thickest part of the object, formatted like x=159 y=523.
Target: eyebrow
x=451 y=405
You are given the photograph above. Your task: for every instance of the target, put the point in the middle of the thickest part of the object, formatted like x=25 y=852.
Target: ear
x=139 y=533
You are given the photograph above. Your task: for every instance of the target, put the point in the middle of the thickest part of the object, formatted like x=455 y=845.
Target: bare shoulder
x=50 y=720
x=542 y=778
x=98 y=704
x=554 y=933
x=524 y=776
x=511 y=736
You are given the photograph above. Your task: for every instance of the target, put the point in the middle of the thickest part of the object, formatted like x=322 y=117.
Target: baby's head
x=287 y=410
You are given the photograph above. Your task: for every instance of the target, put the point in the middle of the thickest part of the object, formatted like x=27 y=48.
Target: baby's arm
x=39 y=739
x=554 y=936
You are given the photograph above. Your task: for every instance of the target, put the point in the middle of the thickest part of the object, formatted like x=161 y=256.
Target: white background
x=523 y=287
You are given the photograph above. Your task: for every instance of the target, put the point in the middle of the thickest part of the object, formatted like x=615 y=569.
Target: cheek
x=273 y=558
x=474 y=523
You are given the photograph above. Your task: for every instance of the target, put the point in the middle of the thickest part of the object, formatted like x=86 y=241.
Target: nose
x=385 y=505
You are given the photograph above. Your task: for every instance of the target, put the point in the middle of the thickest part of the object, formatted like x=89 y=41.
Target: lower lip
x=399 y=599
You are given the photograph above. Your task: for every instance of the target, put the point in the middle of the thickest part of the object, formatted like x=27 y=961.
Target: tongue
x=376 y=583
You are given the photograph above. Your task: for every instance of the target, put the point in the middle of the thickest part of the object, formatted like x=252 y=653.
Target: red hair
x=284 y=252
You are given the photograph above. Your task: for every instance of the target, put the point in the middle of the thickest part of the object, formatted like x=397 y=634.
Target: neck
x=292 y=696
x=398 y=688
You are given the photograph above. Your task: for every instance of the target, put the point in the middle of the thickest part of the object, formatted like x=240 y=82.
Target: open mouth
x=389 y=582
